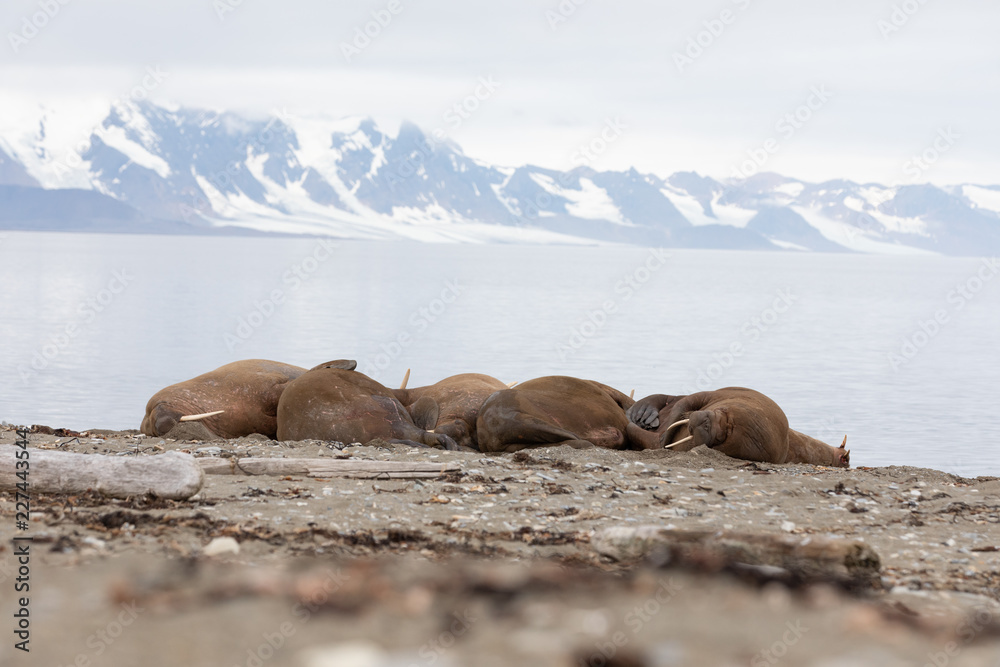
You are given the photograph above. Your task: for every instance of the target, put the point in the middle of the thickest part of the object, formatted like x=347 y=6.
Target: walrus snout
x=706 y=427
x=160 y=420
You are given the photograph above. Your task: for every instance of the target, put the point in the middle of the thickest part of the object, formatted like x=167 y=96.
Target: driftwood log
x=172 y=475
x=794 y=559
x=354 y=468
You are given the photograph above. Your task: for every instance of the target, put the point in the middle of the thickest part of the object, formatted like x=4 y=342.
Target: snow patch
x=983 y=197
x=852 y=237
x=590 y=202
x=792 y=189
x=116 y=138
x=890 y=223
x=315 y=135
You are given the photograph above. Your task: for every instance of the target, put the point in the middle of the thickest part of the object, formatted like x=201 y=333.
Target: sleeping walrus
x=451 y=406
x=232 y=401
x=739 y=422
x=330 y=403
x=559 y=410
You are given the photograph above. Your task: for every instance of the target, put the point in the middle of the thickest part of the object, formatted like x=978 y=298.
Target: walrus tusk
x=193 y=418
x=677 y=423
x=406 y=378
x=510 y=385
x=679 y=442
x=631 y=394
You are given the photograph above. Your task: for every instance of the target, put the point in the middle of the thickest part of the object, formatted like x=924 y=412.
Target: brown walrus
x=806 y=449
x=451 y=406
x=330 y=403
x=736 y=421
x=559 y=410
x=232 y=401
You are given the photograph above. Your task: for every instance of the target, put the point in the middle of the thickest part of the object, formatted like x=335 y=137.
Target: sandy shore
x=495 y=565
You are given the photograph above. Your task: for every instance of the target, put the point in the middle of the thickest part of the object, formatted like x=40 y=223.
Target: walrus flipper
x=636 y=437
x=646 y=412
x=525 y=431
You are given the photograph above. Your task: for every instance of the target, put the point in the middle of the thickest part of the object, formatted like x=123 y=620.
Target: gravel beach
x=496 y=563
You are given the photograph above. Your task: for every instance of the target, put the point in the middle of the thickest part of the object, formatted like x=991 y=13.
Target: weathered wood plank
x=353 y=468
x=172 y=475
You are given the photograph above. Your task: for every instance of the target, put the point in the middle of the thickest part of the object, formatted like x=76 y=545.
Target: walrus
x=232 y=401
x=736 y=421
x=451 y=406
x=559 y=410
x=330 y=403
x=806 y=449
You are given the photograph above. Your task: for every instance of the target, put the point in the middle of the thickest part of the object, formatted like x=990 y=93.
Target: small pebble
x=221 y=545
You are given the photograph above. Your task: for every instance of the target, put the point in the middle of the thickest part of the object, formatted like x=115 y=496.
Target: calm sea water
x=900 y=353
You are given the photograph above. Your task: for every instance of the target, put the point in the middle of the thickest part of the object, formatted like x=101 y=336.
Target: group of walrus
x=470 y=411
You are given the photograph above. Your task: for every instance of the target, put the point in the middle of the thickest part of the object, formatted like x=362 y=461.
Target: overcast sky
x=891 y=83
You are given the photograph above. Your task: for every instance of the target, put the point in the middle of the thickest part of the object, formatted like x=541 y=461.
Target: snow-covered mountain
x=141 y=167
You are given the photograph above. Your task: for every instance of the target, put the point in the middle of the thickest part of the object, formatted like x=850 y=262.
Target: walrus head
x=842 y=455
x=342 y=364
x=160 y=419
x=741 y=432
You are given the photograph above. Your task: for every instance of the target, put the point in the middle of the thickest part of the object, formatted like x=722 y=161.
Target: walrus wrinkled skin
x=328 y=403
x=451 y=406
x=247 y=391
x=559 y=410
x=736 y=421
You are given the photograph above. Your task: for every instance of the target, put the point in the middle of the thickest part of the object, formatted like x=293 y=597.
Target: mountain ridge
x=202 y=170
